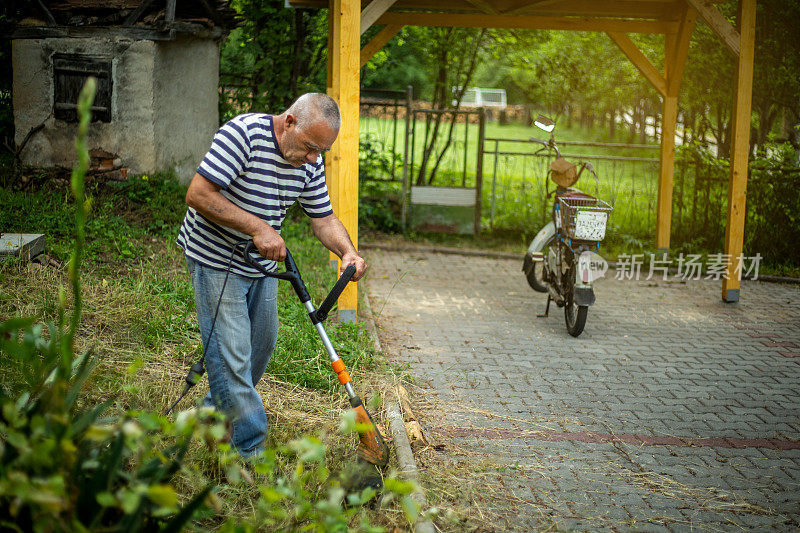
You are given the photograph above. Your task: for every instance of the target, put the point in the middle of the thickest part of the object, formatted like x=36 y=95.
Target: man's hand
x=269 y=243
x=330 y=231
x=352 y=258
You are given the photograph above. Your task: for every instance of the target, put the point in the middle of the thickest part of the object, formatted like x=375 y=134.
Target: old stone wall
x=164 y=102
x=130 y=132
x=186 y=103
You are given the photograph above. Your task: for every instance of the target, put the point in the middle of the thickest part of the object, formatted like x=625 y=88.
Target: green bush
x=63 y=467
x=772 y=204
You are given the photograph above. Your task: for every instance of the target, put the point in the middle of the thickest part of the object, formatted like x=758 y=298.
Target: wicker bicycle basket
x=584 y=218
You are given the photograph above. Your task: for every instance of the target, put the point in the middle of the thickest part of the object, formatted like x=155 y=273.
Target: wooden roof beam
x=377 y=42
x=531 y=22
x=640 y=61
x=528 y=6
x=718 y=24
x=484 y=6
x=629 y=9
x=373 y=11
x=140 y=9
x=678 y=53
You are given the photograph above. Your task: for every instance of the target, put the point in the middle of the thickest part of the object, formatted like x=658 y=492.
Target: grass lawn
x=138 y=317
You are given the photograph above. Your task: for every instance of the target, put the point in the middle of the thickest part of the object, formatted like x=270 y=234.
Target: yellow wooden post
x=346 y=85
x=332 y=158
x=669 y=117
x=676 y=50
x=740 y=148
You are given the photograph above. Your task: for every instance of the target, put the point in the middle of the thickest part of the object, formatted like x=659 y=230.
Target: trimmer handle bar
x=292 y=275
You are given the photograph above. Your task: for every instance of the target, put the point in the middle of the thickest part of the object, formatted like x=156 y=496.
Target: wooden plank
x=347 y=26
x=531 y=5
x=332 y=157
x=529 y=22
x=624 y=8
x=664 y=201
x=329 y=74
x=484 y=6
x=133 y=17
x=656 y=9
x=377 y=42
x=142 y=33
x=718 y=24
x=372 y=12
x=740 y=149
x=641 y=62
x=680 y=51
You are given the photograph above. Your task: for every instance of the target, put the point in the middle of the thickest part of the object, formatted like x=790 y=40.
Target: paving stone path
x=672 y=411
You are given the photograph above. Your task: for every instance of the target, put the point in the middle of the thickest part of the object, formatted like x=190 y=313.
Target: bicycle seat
x=570 y=192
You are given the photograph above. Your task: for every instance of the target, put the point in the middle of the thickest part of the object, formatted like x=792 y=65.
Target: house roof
x=145 y=19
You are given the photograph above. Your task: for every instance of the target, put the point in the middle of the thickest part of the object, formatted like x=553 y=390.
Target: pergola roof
x=633 y=16
x=349 y=19
x=627 y=9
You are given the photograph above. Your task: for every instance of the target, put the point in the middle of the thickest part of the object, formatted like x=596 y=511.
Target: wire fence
x=515 y=184
x=517 y=187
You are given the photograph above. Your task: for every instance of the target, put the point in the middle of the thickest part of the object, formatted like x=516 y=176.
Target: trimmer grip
x=291 y=266
x=292 y=274
x=248 y=258
x=322 y=313
x=250 y=249
x=337 y=289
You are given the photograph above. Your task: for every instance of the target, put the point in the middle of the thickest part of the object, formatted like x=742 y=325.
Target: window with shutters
x=70 y=72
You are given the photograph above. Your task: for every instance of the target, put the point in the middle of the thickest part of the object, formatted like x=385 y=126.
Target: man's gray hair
x=311 y=107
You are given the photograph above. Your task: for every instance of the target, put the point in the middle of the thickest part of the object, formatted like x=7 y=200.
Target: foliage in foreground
x=63 y=467
x=69 y=466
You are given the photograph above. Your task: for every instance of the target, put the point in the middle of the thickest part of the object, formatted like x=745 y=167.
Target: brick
x=655 y=368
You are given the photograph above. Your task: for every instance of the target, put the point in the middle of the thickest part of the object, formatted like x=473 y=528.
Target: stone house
x=157 y=66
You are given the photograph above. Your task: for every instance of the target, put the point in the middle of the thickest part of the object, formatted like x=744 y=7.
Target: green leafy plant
x=375 y=160
x=64 y=468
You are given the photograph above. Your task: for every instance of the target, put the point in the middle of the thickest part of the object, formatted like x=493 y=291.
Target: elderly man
x=257 y=167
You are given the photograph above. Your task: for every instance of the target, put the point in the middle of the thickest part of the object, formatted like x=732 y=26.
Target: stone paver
x=673 y=411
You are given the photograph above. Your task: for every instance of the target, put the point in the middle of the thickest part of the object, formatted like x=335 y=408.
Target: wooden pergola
x=349 y=19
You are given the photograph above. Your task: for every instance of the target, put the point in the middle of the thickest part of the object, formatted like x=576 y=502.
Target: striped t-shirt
x=244 y=159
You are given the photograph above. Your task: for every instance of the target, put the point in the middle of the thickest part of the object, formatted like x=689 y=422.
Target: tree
x=276 y=54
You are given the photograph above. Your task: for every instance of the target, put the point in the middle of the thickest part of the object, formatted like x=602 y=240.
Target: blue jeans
x=239 y=350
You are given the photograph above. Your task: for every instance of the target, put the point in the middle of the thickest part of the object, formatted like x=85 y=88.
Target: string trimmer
x=372 y=447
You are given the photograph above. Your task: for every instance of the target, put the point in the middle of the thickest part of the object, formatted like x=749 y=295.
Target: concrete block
x=22 y=244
